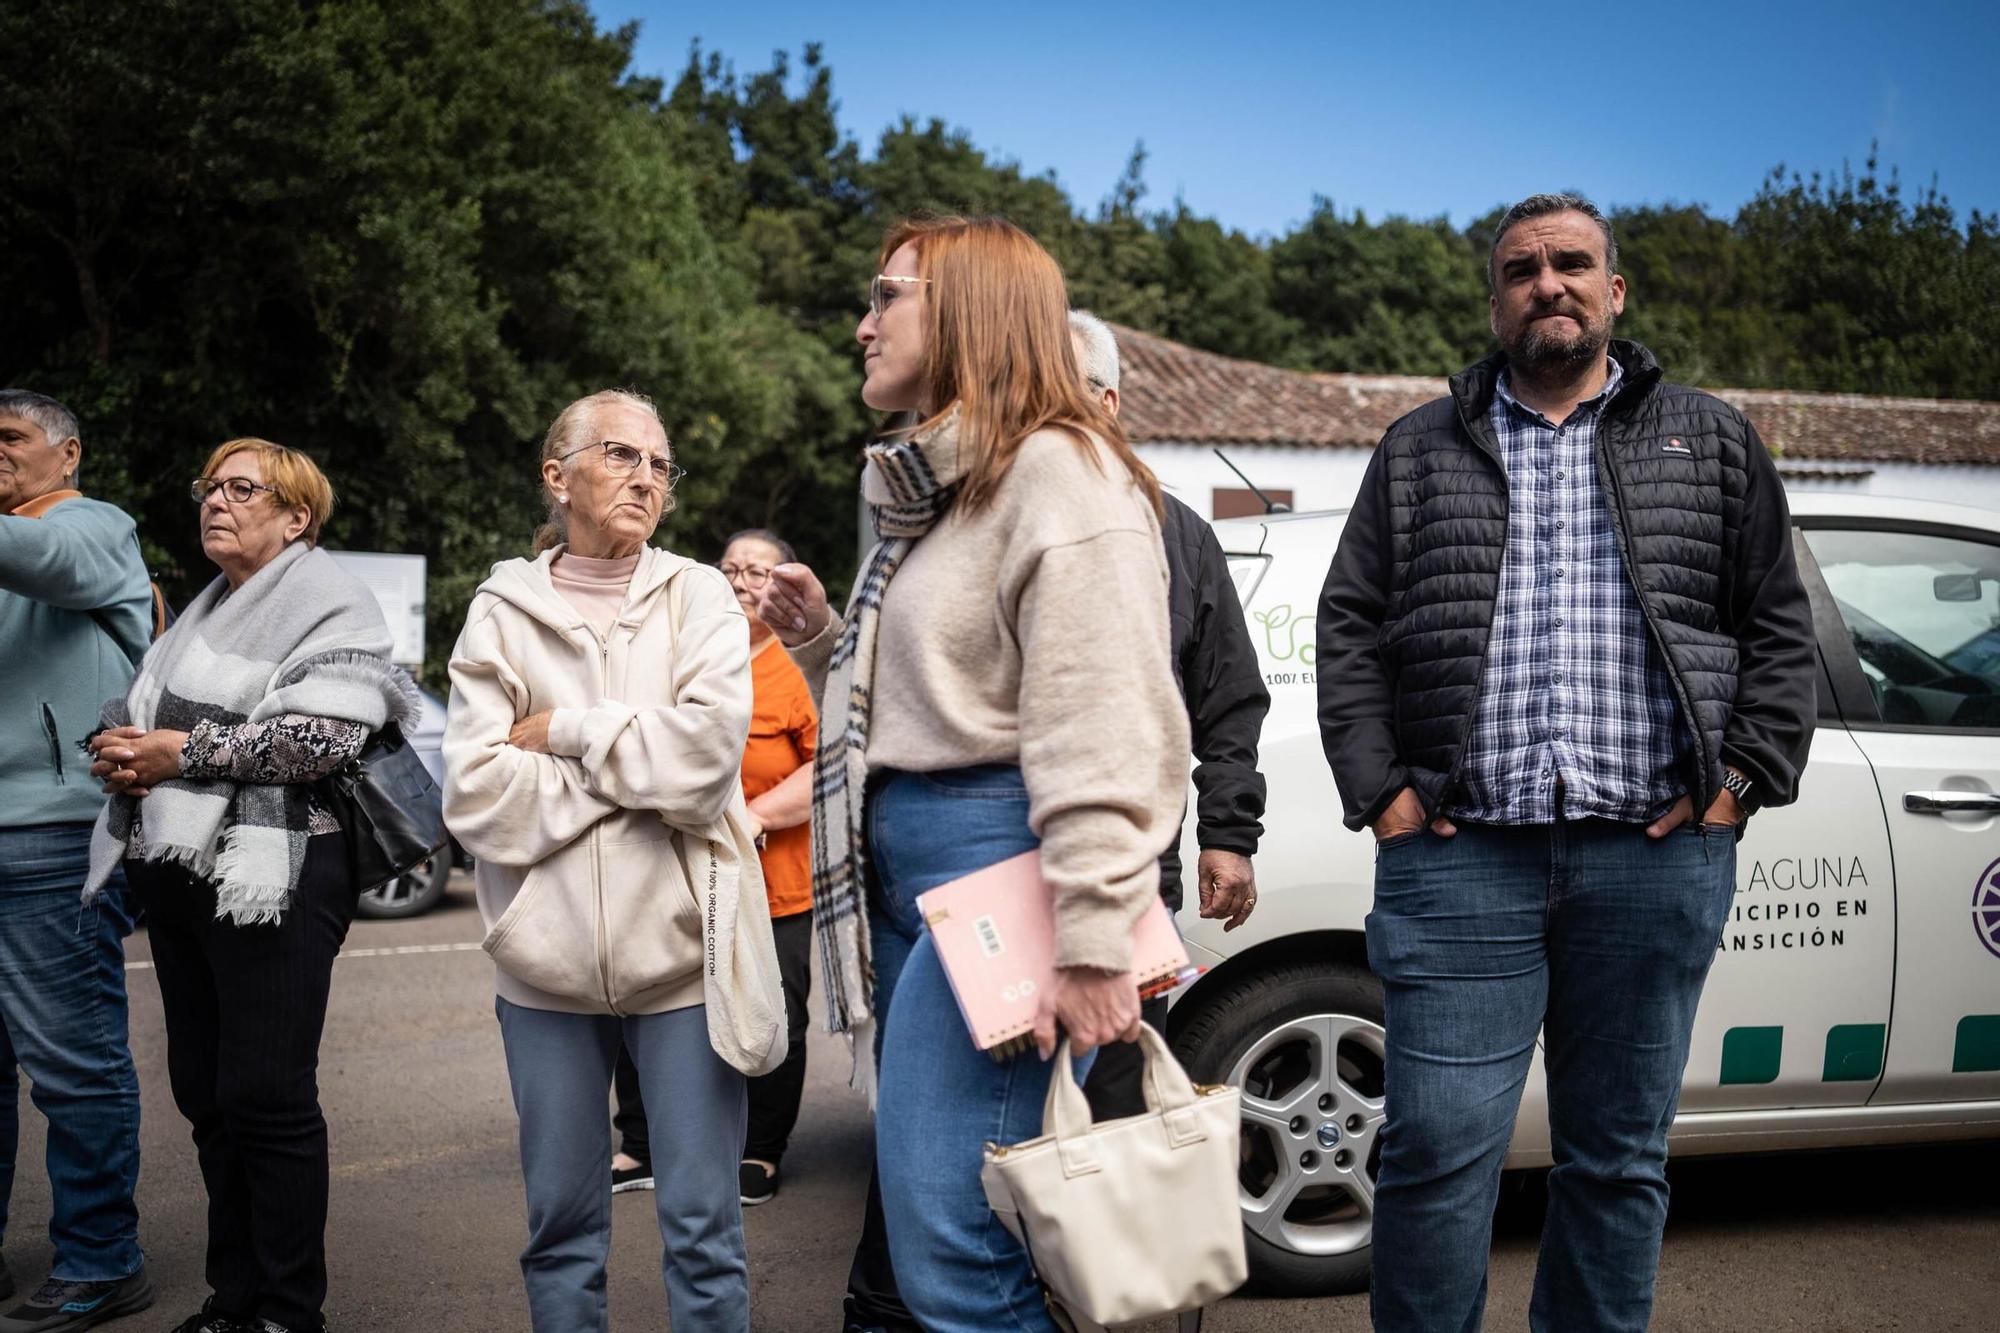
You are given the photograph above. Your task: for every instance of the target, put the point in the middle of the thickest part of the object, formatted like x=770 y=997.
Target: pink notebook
x=995 y=932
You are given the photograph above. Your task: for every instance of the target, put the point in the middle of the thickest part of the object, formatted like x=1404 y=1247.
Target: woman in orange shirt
x=777 y=787
x=777 y=784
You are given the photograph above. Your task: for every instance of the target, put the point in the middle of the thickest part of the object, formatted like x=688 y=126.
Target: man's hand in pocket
x=1406 y=815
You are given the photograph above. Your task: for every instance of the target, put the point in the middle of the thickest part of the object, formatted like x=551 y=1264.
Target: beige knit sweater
x=1035 y=632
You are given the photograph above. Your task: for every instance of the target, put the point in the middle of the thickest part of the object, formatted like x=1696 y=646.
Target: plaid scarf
x=909 y=485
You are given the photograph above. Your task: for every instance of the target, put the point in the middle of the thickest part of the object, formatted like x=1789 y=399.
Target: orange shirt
x=784 y=733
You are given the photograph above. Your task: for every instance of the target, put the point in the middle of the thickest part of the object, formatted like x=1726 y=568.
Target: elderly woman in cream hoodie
x=600 y=699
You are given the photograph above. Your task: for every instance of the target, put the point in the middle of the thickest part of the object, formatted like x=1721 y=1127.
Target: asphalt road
x=428 y=1217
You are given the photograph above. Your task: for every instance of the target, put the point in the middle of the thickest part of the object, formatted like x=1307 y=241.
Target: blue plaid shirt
x=1574 y=687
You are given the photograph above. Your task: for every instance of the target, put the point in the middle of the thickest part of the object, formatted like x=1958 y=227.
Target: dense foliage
x=401 y=235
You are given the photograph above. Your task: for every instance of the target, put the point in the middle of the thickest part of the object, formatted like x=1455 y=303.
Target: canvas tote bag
x=1133 y=1218
x=741 y=986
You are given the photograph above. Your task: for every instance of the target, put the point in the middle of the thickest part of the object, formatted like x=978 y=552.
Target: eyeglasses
x=883 y=288
x=622 y=460
x=236 y=490
x=753 y=576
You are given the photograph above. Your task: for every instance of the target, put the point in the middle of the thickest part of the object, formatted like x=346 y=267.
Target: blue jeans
x=63 y=1021
x=1594 y=935
x=560 y=1067
x=941 y=1097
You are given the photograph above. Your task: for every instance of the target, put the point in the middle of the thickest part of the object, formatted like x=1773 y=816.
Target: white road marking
x=464 y=946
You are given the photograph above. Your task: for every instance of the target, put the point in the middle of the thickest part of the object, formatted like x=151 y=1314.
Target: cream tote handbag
x=1133 y=1218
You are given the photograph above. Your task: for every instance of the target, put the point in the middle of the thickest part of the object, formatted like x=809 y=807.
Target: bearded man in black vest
x=1563 y=654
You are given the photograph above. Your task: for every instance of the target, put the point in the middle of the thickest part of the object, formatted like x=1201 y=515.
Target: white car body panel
x=1831 y=1014
x=1938 y=858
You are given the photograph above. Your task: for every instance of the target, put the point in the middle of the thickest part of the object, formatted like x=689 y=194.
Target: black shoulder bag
x=389 y=808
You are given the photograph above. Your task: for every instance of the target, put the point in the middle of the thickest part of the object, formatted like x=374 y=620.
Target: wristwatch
x=1738 y=784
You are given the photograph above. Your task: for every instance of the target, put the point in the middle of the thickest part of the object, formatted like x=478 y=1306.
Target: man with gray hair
x=1223 y=687
x=1563 y=654
x=76 y=615
x=1097 y=352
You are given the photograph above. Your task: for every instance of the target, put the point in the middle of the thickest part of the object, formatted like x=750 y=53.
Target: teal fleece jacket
x=76 y=613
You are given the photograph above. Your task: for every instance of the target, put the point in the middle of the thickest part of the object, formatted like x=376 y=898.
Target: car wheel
x=408 y=895
x=1304 y=1044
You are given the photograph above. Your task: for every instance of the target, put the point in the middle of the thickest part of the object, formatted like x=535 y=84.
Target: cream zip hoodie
x=615 y=875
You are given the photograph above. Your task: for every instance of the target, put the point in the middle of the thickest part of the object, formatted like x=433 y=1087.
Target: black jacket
x=1706 y=537
x=1217 y=671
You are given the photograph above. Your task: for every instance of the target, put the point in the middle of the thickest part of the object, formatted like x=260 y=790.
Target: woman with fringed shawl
x=274 y=677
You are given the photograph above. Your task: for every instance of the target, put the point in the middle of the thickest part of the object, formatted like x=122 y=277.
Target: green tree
x=1683 y=270
x=402 y=235
x=1872 y=293
x=1219 y=290
x=1399 y=297
x=399 y=236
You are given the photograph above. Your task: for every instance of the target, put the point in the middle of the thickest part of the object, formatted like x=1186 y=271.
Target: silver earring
x=562 y=499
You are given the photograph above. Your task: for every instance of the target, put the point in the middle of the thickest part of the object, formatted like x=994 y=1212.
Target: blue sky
x=1250 y=109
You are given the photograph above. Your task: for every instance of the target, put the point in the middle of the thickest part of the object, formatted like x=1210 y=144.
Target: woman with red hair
x=1000 y=682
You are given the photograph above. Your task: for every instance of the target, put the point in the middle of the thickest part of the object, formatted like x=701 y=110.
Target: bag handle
x=1166 y=1087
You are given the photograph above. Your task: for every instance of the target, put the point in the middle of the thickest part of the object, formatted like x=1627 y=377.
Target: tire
x=408 y=895
x=1304 y=1043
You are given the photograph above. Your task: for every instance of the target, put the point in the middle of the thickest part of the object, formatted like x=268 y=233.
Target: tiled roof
x=1171 y=392
x=1853 y=427
x=1176 y=394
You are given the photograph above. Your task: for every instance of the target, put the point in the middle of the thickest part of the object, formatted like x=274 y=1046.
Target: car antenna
x=1270 y=506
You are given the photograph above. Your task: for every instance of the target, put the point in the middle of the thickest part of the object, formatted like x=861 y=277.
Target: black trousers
x=244 y=1009
x=628 y=1115
x=1115 y=1085
x=774 y=1097
x=874 y=1303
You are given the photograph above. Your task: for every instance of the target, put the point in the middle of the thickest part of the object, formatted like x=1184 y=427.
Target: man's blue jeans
x=63 y=1022
x=941 y=1098
x=1599 y=938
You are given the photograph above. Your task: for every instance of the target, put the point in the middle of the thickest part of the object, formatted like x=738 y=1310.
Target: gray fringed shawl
x=300 y=636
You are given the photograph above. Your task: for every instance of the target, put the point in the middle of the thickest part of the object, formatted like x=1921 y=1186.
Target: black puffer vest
x=1674 y=467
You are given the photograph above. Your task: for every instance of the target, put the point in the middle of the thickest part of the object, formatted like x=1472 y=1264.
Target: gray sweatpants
x=560 y=1067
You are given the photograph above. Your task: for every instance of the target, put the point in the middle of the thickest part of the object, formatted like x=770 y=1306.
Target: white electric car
x=1855 y=996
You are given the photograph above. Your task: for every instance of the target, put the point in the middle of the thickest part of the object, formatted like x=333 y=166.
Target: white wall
x=1317 y=478
x=1963 y=485
x=1327 y=478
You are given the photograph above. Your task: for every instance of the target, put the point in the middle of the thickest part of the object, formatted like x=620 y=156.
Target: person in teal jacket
x=75 y=616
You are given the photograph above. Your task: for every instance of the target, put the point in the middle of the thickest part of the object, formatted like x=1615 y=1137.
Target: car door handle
x=1941 y=802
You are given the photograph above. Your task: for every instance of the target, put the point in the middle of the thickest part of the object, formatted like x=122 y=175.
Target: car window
x=1924 y=613
x=1246 y=572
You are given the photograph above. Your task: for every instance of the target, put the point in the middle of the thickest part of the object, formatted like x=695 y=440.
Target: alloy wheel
x=1312 y=1119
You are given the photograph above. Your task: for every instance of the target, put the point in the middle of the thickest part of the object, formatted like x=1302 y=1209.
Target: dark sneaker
x=6 y=1279
x=211 y=1320
x=58 y=1306
x=756 y=1182
x=625 y=1178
